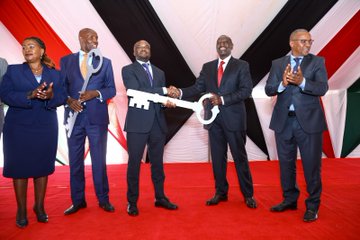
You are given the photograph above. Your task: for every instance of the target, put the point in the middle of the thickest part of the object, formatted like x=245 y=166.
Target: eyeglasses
x=303 y=41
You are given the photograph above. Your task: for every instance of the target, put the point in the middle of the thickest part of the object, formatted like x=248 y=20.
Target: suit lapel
x=75 y=64
x=156 y=75
x=286 y=62
x=30 y=76
x=215 y=73
x=305 y=63
x=227 y=70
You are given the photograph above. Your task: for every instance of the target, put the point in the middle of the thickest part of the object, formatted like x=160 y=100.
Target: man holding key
x=145 y=127
x=92 y=120
x=229 y=81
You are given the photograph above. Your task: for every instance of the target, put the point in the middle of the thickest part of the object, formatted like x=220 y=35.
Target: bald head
x=88 y=39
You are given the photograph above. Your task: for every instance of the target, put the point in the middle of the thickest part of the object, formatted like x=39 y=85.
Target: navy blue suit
x=91 y=122
x=229 y=127
x=145 y=127
x=304 y=130
x=31 y=125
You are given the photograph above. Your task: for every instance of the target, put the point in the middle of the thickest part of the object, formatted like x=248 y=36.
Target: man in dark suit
x=229 y=80
x=298 y=120
x=92 y=120
x=145 y=127
x=3 y=67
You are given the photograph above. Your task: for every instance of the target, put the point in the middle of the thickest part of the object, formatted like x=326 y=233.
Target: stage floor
x=189 y=185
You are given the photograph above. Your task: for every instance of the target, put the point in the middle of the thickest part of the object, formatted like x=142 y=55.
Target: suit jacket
x=140 y=120
x=103 y=81
x=17 y=82
x=235 y=87
x=307 y=105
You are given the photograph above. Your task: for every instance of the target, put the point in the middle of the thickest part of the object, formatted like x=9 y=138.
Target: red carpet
x=189 y=185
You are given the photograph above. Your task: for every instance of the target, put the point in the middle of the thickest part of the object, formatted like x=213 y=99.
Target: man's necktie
x=220 y=72
x=297 y=63
x=146 y=66
x=83 y=66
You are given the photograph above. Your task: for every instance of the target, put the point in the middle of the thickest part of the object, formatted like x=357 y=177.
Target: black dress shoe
x=216 y=199
x=41 y=217
x=283 y=206
x=74 y=208
x=22 y=223
x=310 y=215
x=165 y=203
x=132 y=209
x=250 y=202
x=107 y=207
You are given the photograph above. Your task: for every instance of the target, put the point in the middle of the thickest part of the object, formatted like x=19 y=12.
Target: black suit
x=145 y=127
x=229 y=127
x=304 y=130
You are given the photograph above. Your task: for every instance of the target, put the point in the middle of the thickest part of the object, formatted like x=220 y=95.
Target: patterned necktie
x=83 y=66
x=146 y=66
x=220 y=72
x=297 y=63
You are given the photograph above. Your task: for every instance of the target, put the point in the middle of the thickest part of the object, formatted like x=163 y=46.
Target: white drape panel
x=335 y=110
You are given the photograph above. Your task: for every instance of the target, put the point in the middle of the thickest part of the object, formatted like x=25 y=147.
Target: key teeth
x=140 y=105
x=132 y=102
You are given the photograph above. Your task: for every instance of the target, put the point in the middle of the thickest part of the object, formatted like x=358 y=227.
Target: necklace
x=36 y=71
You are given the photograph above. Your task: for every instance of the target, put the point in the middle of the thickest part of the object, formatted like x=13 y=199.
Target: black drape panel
x=352 y=127
x=132 y=20
x=273 y=43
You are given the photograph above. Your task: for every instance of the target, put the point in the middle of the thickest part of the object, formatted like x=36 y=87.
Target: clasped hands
x=174 y=92
x=43 y=92
x=291 y=77
x=75 y=104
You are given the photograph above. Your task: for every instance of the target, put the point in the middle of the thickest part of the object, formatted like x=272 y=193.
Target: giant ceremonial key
x=70 y=121
x=140 y=99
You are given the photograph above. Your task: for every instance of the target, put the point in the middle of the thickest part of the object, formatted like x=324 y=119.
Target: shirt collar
x=293 y=57
x=226 y=60
x=141 y=62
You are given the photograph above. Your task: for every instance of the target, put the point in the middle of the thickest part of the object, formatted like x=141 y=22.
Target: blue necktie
x=297 y=63
x=146 y=66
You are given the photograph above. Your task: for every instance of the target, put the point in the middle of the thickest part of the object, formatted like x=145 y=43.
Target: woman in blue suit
x=32 y=91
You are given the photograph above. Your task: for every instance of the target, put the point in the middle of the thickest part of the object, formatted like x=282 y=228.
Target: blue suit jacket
x=17 y=82
x=102 y=81
x=140 y=120
x=235 y=87
x=307 y=105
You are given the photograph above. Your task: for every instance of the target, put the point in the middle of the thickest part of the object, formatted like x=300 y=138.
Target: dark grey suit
x=3 y=67
x=229 y=127
x=304 y=130
x=145 y=127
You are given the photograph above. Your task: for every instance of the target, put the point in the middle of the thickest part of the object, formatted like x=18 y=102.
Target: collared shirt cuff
x=222 y=100
x=302 y=85
x=165 y=90
x=281 y=88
